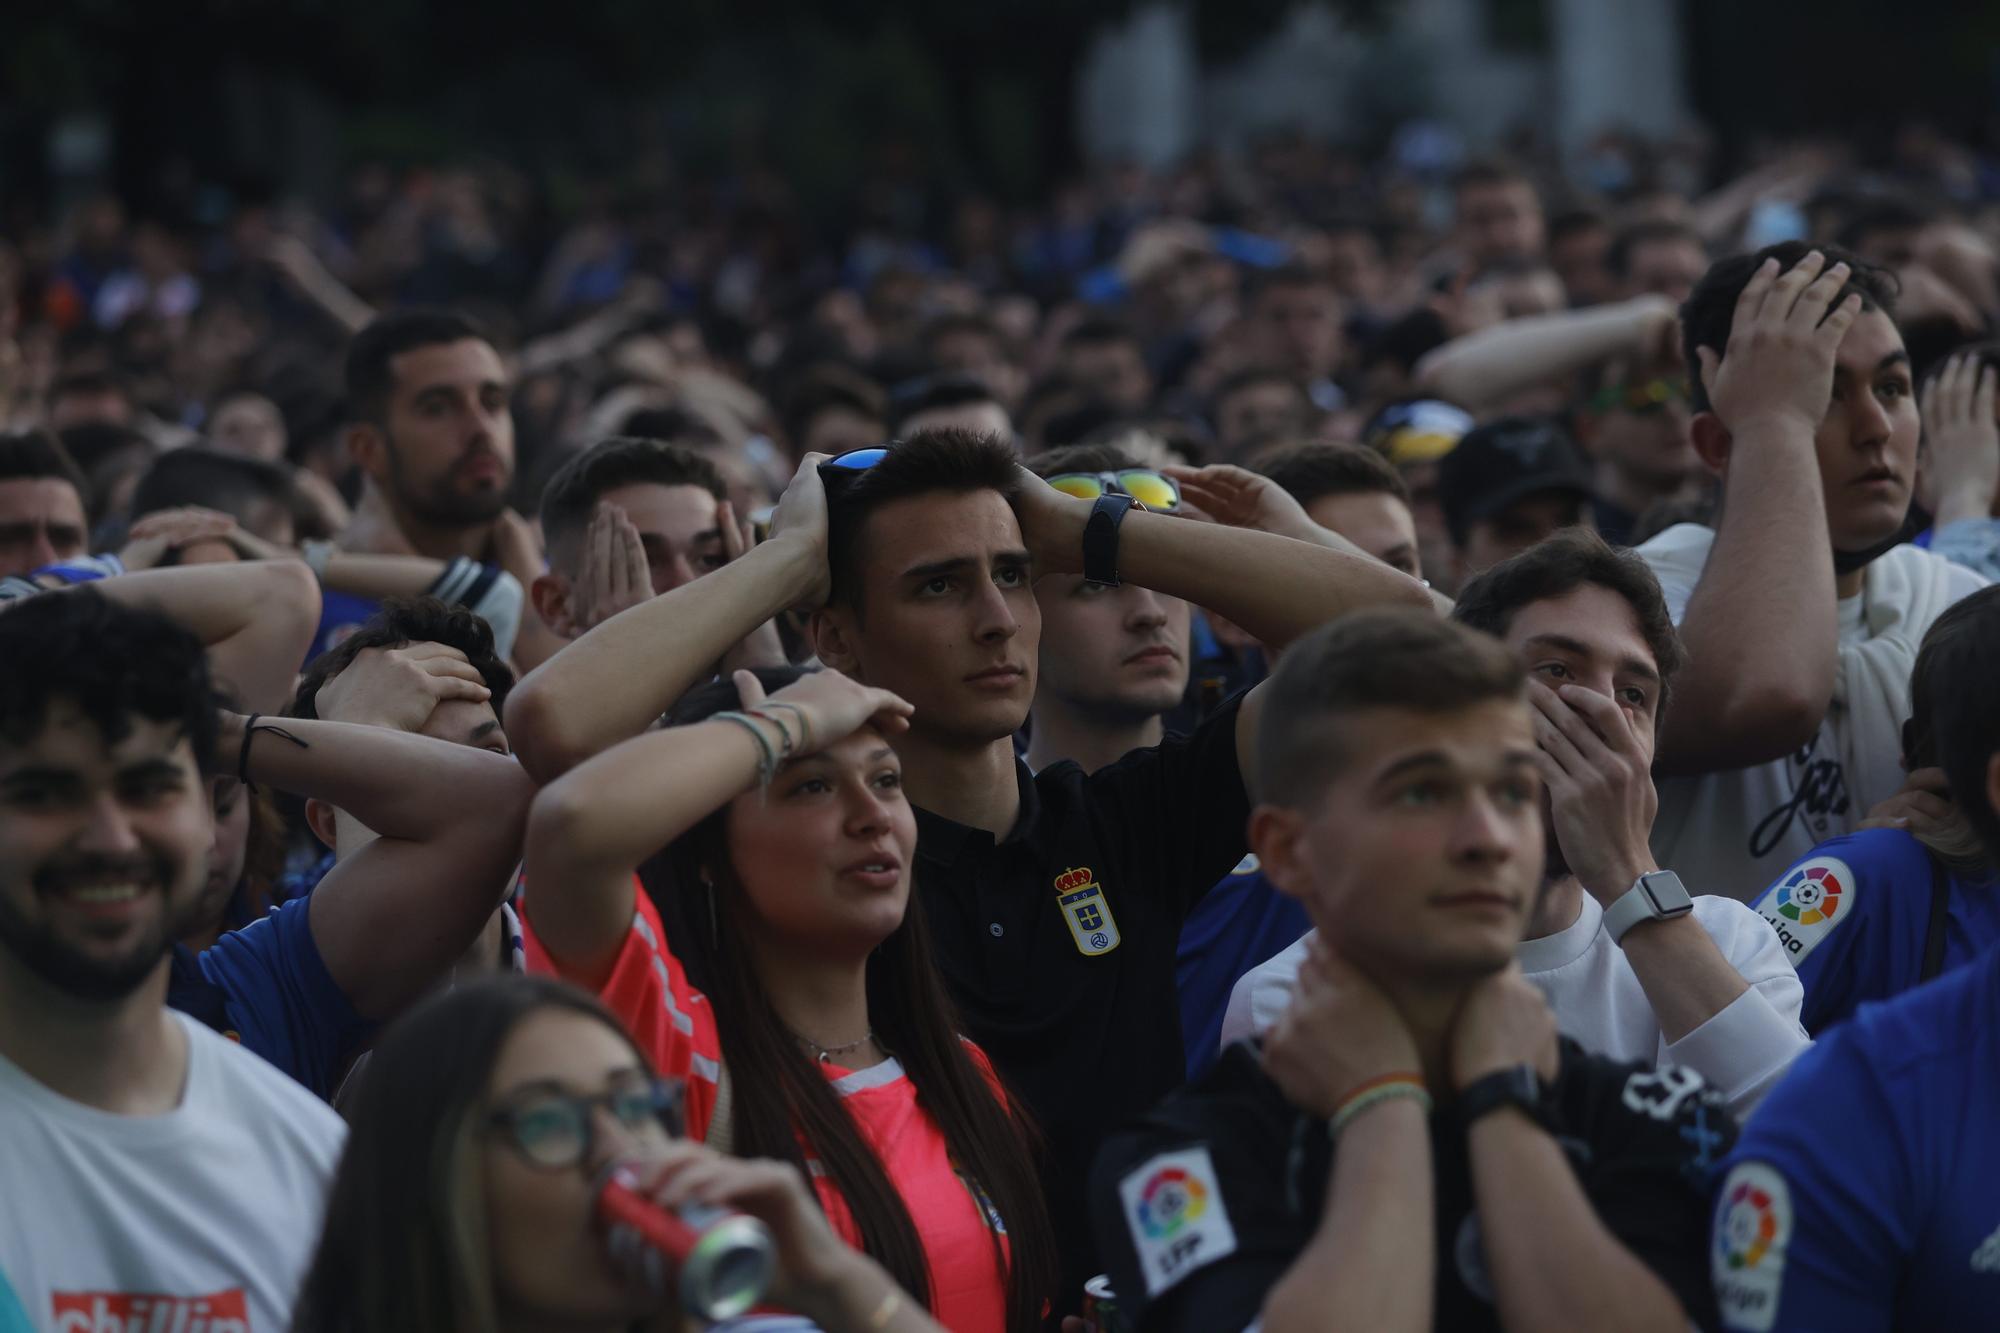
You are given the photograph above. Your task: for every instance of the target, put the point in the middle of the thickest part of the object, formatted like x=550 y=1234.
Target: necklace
x=825 y=1054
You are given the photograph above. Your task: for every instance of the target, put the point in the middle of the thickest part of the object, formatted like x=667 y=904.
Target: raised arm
x=1485 y=367
x=256 y=618
x=592 y=827
x=391 y=918
x=1761 y=625
x=614 y=682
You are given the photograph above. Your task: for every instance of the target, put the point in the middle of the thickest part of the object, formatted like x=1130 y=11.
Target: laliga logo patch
x=1086 y=911
x=1809 y=903
x=1753 y=1224
x=1174 y=1212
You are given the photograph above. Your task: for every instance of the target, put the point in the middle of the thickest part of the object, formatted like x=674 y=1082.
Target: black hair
x=1307 y=472
x=1099 y=331
x=1245 y=377
x=781 y=1096
x=573 y=492
x=114 y=663
x=231 y=483
x=951 y=462
x=1291 y=275
x=75 y=383
x=1880 y=215
x=674 y=425
x=37 y=454
x=932 y=393
x=1081 y=458
x=1710 y=310
x=1954 y=672
x=91 y=443
x=1560 y=565
x=1489 y=171
x=826 y=388
x=369 y=377
x=1393 y=658
x=402 y=621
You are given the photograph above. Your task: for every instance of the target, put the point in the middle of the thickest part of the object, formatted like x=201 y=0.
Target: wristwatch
x=1100 y=539
x=1656 y=895
x=1519 y=1087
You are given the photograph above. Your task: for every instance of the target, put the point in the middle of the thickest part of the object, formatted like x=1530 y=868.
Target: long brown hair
x=780 y=1094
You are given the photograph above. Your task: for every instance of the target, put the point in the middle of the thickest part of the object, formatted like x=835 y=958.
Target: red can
x=715 y=1263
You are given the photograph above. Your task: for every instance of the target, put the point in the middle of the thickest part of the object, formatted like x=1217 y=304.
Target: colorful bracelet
x=805 y=722
x=1387 y=1088
x=767 y=759
x=784 y=732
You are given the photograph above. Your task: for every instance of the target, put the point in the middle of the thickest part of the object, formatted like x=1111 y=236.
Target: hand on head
x=400 y=687
x=822 y=707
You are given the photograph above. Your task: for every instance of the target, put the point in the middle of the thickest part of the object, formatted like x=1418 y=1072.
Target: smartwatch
x=1657 y=895
x=1100 y=539
x=1519 y=1087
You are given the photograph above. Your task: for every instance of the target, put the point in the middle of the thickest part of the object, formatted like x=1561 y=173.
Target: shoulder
x=1666 y=1111
x=1742 y=934
x=1929 y=1026
x=1838 y=881
x=258 y=1092
x=1260 y=993
x=1228 y=1109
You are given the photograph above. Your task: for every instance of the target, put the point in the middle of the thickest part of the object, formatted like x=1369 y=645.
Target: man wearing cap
x=1509 y=484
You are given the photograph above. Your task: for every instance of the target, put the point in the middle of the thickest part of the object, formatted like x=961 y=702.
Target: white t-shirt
x=1734 y=832
x=1741 y=1050
x=210 y=1211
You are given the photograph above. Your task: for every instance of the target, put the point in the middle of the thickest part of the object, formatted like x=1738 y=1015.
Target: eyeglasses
x=1155 y=490
x=1644 y=397
x=557 y=1129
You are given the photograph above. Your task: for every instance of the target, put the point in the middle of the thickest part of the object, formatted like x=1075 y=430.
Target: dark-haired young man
x=1355 y=492
x=1865 y=1197
x=432 y=433
x=1106 y=359
x=948 y=402
x=257 y=494
x=1635 y=967
x=1299 y=325
x=42 y=509
x=1801 y=609
x=1507 y=485
x=1500 y=217
x=1417 y=1148
x=1257 y=403
x=1658 y=258
x=1056 y=898
x=155 y=1174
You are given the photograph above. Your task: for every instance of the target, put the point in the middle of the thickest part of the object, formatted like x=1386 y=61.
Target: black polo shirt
x=1203 y=1206
x=1059 y=940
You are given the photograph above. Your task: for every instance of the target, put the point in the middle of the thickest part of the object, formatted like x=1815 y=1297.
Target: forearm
x=399 y=785
x=1484 y=367
x=1761 y=627
x=866 y=1299
x=1554 y=1265
x=379 y=576
x=1684 y=975
x=257 y=618
x=614 y=681
x=1371 y=1264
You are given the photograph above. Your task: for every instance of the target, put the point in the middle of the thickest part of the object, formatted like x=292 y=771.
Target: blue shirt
x=1865 y=1193
x=1241 y=922
x=266 y=987
x=1854 y=915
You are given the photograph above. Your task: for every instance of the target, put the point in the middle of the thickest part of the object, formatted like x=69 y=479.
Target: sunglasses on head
x=1644 y=397
x=856 y=460
x=1155 y=490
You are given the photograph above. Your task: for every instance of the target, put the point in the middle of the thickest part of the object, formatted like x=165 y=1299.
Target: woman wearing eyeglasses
x=464 y=1203
x=822 y=1034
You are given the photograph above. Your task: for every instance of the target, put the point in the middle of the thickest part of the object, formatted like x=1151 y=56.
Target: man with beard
x=1634 y=966
x=155 y=1175
x=431 y=432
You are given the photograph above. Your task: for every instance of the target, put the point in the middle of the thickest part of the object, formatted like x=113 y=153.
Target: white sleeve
x=1744 y=1049
x=1261 y=994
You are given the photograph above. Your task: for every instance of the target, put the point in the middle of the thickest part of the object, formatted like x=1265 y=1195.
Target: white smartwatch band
x=1657 y=895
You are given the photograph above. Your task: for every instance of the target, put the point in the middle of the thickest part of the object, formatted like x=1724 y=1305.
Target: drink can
x=1100 y=1306
x=714 y=1262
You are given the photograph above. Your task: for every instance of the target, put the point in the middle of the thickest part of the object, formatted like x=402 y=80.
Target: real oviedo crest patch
x=1086 y=911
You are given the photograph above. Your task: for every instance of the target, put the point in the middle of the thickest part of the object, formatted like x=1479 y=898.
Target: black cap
x=1504 y=461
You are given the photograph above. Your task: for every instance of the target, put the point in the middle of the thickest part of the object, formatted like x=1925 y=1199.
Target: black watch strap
x=1519 y=1086
x=1100 y=539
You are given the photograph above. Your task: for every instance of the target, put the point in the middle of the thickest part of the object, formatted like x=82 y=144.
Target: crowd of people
x=1309 y=742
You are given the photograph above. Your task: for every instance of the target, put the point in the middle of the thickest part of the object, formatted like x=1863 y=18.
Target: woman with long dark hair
x=464 y=1202
x=822 y=1033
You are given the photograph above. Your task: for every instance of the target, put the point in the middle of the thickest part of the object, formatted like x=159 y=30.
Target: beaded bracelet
x=767 y=761
x=805 y=722
x=1389 y=1087
x=784 y=732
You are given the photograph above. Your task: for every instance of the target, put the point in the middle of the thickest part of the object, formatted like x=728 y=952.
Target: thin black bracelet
x=250 y=729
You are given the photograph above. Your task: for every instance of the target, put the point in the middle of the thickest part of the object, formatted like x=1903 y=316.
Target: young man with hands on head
x=1056 y=898
x=1417 y=1147
x=1802 y=608
x=1634 y=966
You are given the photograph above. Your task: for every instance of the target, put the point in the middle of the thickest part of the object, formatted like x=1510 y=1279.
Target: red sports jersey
x=675 y=1025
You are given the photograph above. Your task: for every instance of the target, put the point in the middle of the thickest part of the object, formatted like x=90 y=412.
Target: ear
x=1276 y=836
x=1993 y=782
x=832 y=632
x=550 y=594
x=369 y=448
x=1711 y=441
x=319 y=818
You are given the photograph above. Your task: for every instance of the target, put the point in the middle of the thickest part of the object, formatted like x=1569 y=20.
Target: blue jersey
x=266 y=987
x=1238 y=924
x=1864 y=1195
x=1854 y=915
